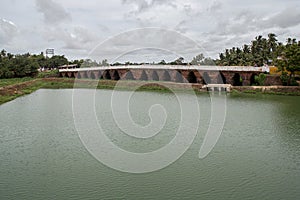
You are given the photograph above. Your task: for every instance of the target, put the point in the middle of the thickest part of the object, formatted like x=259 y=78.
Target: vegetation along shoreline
x=21 y=87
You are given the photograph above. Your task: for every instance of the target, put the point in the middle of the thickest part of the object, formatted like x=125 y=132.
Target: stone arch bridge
x=234 y=75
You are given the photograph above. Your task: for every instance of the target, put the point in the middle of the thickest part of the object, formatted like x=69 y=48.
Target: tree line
x=261 y=51
x=266 y=51
x=22 y=65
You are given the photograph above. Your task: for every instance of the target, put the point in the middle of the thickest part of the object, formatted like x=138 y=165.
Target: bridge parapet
x=170 y=67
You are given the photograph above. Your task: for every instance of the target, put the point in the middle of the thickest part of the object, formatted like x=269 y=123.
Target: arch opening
x=106 y=75
x=144 y=76
x=129 y=76
x=83 y=75
x=252 y=79
x=166 y=76
x=237 y=80
x=191 y=77
x=115 y=75
x=92 y=75
x=178 y=77
x=155 y=76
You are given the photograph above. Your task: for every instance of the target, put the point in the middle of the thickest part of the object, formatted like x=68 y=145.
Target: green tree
x=197 y=59
x=104 y=63
x=56 y=61
x=162 y=62
x=289 y=59
x=178 y=61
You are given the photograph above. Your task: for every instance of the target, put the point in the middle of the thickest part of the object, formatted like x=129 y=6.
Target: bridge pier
x=97 y=74
x=76 y=74
x=229 y=77
x=247 y=78
x=82 y=74
x=70 y=75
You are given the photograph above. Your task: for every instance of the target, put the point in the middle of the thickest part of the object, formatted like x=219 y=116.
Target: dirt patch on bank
x=16 y=88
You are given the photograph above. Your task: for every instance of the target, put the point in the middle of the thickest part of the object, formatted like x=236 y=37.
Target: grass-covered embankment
x=14 y=88
x=12 y=81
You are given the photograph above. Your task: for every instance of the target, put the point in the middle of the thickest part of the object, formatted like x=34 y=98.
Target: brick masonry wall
x=273 y=80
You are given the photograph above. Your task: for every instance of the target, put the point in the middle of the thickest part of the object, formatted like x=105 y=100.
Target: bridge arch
x=83 y=74
x=191 y=77
x=178 y=76
x=144 y=76
x=252 y=79
x=236 y=80
x=154 y=76
x=97 y=74
x=166 y=76
x=129 y=76
x=70 y=75
x=92 y=75
x=115 y=75
x=106 y=75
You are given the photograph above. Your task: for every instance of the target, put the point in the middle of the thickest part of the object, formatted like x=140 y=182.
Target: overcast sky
x=119 y=29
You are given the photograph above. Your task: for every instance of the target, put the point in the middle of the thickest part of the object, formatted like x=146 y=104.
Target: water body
x=256 y=157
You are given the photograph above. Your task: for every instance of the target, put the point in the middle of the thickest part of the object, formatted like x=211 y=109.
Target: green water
x=256 y=157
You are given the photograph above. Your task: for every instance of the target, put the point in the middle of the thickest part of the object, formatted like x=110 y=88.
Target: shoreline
x=13 y=91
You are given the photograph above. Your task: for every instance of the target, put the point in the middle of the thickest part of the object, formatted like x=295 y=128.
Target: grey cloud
x=164 y=2
x=243 y=22
x=181 y=26
x=154 y=38
x=188 y=8
x=215 y=6
x=103 y=28
x=143 y=5
x=247 y=21
x=287 y=18
x=77 y=38
x=52 y=11
x=8 y=31
x=216 y=24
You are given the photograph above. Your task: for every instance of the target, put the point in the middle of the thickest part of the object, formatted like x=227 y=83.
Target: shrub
x=293 y=82
x=48 y=74
x=260 y=80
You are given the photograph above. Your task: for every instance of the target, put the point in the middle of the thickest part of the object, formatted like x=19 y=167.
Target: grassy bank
x=269 y=90
x=12 y=81
x=14 y=88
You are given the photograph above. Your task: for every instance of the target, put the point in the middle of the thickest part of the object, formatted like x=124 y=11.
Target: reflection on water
x=257 y=156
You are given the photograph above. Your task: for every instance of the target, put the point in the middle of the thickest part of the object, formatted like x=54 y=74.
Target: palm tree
x=272 y=42
x=3 y=53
